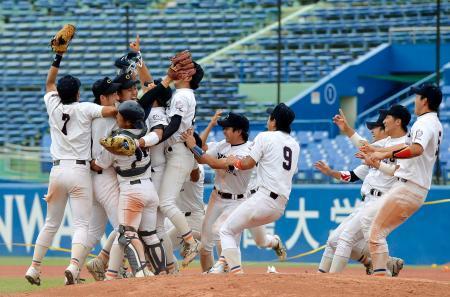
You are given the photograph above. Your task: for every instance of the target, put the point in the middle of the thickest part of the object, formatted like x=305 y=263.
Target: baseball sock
x=179 y=221
x=38 y=255
x=379 y=262
x=115 y=261
x=339 y=263
x=104 y=253
x=78 y=251
x=206 y=259
x=104 y=256
x=327 y=259
x=232 y=256
x=188 y=238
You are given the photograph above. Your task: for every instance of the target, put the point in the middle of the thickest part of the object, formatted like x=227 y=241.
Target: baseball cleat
x=96 y=268
x=219 y=268
x=394 y=265
x=190 y=252
x=33 y=276
x=280 y=250
x=144 y=272
x=369 y=268
x=71 y=275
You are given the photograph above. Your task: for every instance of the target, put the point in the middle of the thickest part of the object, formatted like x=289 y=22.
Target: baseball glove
x=181 y=66
x=119 y=144
x=60 y=41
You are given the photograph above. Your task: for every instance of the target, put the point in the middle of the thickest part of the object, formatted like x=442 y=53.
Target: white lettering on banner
x=6 y=225
x=248 y=240
x=36 y=220
x=301 y=215
x=339 y=212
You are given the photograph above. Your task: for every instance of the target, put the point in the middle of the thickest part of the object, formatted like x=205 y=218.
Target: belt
x=272 y=195
x=137 y=181
x=402 y=180
x=80 y=162
x=100 y=172
x=375 y=192
x=187 y=214
x=253 y=191
x=229 y=195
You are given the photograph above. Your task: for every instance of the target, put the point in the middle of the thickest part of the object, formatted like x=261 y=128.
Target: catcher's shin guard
x=128 y=238
x=154 y=251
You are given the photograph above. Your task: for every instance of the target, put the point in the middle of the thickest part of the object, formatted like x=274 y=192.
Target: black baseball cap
x=400 y=112
x=104 y=86
x=197 y=77
x=235 y=120
x=379 y=121
x=125 y=80
x=283 y=115
x=430 y=91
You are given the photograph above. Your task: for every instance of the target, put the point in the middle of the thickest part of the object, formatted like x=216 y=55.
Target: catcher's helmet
x=133 y=112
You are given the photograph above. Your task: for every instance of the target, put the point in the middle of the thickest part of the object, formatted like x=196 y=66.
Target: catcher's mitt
x=60 y=41
x=119 y=144
x=182 y=66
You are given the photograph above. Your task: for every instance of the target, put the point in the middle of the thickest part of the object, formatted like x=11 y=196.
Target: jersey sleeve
x=361 y=171
x=91 y=110
x=105 y=159
x=157 y=118
x=178 y=106
x=213 y=149
x=51 y=100
x=257 y=148
x=421 y=134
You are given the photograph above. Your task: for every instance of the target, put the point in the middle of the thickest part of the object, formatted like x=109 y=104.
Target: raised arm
x=212 y=123
x=50 y=83
x=143 y=72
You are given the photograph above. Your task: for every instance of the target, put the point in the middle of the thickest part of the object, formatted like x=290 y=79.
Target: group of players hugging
x=131 y=157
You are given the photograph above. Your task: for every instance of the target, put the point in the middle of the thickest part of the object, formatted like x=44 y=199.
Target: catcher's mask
x=128 y=63
x=68 y=87
x=133 y=112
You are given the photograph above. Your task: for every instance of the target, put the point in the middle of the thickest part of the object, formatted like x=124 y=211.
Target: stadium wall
x=312 y=212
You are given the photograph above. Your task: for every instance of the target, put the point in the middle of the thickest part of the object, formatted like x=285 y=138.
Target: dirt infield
x=291 y=281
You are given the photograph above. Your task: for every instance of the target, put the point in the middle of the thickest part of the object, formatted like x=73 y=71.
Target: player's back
x=70 y=127
x=278 y=164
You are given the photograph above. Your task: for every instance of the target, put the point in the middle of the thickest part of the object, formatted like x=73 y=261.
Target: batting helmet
x=133 y=112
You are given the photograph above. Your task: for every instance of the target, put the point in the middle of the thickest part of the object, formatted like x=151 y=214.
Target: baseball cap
x=68 y=87
x=197 y=77
x=400 y=112
x=283 y=115
x=104 y=86
x=133 y=112
x=430 y=91
x=379 y=121
x=125 y=80
x=235 y=120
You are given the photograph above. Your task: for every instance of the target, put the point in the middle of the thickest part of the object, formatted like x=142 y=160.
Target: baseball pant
x=401 y=202
x=179 y=164
x=67 y=180
x=217 y=212
x=261 y=209
x=194 y=219
x=105 y=204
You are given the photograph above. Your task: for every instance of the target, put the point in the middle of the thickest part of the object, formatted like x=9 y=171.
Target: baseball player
x=105 y=185
x=179 y=159
x=417 y=155
x=343 y=237
x=138 y=199
x=276 y=153
x=70 y=177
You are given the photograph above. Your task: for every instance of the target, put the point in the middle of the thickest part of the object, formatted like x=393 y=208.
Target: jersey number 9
x=287 y=154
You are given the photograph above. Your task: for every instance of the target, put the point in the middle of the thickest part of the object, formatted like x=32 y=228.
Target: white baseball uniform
x=409 y=192
x=70 y=176
x=105 y=186
x=190 y=202
x=277 y=154
x=179 y=159
x=230 y=190
x=355 y=230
